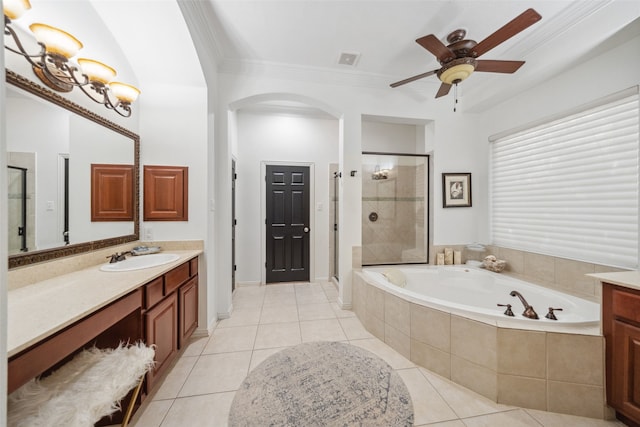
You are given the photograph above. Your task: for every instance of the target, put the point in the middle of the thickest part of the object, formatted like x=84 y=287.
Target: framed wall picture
x=456 y=190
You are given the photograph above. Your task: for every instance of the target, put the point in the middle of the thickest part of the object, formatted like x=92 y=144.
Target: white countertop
x=39 y=310
x=628 y=279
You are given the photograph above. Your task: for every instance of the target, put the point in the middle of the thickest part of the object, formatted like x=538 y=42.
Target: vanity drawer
x=193 y=266
x=153 y=292
x=626 y=305
x=175 y=278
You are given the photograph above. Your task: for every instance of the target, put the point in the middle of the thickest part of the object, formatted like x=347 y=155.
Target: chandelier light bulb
x=96 y=71
x=14 y=9
x=125 y=93
x=55 y=40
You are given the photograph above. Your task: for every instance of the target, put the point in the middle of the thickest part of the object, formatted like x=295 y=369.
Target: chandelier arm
x=9 y=31
x=99 y=91
x=106 y=100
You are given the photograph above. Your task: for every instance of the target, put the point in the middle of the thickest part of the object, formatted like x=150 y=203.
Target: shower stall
x=334 y=236
x=17 y=209
x=394 y=208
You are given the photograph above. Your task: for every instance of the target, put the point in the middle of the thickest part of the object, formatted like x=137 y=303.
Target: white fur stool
x=83 y=390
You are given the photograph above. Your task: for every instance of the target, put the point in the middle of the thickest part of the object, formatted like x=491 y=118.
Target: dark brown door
x=287 y=223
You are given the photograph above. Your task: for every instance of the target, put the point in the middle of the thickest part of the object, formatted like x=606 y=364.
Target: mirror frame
x=78 y=248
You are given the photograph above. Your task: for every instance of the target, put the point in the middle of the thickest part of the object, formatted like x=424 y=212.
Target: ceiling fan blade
x=489 y=66
x=435 y=46
x=516 y=25
x=414 y=78
x=444 y=89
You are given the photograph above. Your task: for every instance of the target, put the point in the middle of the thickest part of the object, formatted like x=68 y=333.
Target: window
x=569 y=187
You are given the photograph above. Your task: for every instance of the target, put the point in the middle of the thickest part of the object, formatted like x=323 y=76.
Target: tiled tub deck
x=550 y=371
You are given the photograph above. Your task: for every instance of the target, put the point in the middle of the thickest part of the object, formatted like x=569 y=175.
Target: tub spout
x=529 y=312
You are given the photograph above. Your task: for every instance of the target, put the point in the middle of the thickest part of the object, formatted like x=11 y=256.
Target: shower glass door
x=394 y=208
x=17 y=209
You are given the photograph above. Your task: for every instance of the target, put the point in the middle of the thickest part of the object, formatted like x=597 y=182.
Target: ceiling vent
x=350 y=59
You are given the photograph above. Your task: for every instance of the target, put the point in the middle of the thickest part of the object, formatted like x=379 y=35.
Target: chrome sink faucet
x=529 y=312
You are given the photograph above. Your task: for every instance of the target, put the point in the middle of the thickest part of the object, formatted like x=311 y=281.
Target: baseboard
x=344 y=306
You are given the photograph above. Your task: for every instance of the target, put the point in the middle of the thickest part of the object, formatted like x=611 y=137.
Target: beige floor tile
x=454 y=423
x=464 y=402
x=308 y=288
x=428 y=406
x=249 y=291
x=200 y=411
x=279 y=288
x=340 y=312
x=353 y=329
x=278 y=335
x=260 y=356
x=175 y=378
x=386 y=353
x=279 y=314
x=322 y=330
x=248 y=302
x=153 y=414
x=550 y=419
x=316 y=311
x=311 y=298
x=215 y=373
x=195 y=346
x=242 y=317
x=225 y=340
x=248 y=296
x=515 y=418
x=278 y=299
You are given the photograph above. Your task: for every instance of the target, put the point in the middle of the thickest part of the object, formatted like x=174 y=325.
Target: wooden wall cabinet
x=166 y=191
x=621 y=327
x=112 y=189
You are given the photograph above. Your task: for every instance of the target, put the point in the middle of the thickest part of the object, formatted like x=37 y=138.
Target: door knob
x=306 y=229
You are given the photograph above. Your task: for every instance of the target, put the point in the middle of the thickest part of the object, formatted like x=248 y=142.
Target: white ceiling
x=309 y=35
x=303 y=39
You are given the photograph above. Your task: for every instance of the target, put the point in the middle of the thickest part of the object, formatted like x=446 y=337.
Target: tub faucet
x=529 y=312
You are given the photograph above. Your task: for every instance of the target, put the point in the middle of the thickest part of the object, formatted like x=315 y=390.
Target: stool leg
x=132 y=402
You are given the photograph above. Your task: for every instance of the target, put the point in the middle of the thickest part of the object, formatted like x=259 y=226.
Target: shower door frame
x=23 y=203
x=427 y=202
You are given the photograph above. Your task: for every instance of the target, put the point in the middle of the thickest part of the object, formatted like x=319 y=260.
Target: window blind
x=569 y=187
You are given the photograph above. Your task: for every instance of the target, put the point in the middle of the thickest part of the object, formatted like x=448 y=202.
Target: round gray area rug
x=322 y=384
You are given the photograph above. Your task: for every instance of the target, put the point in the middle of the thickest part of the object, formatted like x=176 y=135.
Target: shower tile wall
x=397 y=236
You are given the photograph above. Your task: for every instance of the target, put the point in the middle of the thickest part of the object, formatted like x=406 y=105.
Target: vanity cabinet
x=621 y=327
x=171 y=314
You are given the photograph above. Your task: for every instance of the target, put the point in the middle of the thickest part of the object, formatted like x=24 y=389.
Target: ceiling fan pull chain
x=455 y=97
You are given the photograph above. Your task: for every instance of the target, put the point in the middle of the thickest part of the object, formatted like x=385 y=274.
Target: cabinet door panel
x=626 y=369
x=161 y=329
x=188 y=310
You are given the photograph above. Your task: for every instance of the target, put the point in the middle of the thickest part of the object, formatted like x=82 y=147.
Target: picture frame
x=456 y=190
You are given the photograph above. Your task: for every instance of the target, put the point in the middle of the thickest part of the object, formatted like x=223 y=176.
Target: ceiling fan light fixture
x=457 y=70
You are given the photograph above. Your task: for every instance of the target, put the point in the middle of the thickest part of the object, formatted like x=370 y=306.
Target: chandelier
x=53 y=65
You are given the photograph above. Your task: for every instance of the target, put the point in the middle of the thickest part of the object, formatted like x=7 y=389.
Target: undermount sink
x=140 y=262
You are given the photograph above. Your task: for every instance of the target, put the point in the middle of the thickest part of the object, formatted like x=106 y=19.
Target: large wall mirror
x=51 y=144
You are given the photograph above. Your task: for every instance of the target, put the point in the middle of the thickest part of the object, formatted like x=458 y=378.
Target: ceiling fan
x=459 y=58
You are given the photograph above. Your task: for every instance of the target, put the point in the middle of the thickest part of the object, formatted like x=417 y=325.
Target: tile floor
x=200 y=387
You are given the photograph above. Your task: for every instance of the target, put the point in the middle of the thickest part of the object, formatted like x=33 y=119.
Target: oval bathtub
x=475 y=293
